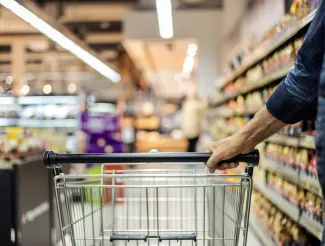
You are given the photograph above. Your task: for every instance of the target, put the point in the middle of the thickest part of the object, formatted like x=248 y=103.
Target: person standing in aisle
x=192 y=110
x=300 y=96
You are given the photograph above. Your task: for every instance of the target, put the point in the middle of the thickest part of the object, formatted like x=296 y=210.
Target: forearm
x=262 y=126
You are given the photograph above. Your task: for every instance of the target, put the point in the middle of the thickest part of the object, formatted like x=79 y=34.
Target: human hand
x=223 y=150
x=262 y=126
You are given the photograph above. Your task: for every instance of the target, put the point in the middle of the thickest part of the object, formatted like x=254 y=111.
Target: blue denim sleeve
x=295 y=98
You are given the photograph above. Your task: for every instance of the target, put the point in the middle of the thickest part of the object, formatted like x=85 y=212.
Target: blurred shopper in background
x=192 y=111
x=301 y=96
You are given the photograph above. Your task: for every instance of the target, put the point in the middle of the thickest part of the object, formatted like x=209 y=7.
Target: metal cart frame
x=162 y=206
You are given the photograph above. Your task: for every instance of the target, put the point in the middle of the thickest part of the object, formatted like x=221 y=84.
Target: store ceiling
x=103 y=38
x=102 y=31
x=184 y=4
x=99 y=24
x=162 y=63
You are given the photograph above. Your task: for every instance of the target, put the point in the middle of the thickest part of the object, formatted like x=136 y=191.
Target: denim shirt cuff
x=282 y=105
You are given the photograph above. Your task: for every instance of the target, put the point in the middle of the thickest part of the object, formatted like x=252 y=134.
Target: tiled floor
x=252 y=239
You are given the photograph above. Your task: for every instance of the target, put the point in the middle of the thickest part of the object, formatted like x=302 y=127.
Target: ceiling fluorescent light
x=61 y=40
x=189 y=61
x=165 y=18
x=188 y=64
x=191 y=50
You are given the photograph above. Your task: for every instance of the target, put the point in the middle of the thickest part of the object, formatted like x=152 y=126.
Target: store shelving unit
x=307 y=142
x=294 y=141
x=28 y=100
x=250 y=87
x=230 y=114
x=309 y=183
x=312 y=226
x=285 y=171
x=266 y=80
x=296 y=176
x=267 y=48
x=20 y=102
x=284 y=140
x=262 y=235
x=290 y=210
x=58 y=123
x=220 y=109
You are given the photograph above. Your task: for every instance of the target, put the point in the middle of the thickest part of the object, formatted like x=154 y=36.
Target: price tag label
x=313 y=188
x=317 y=190
x=308 y=142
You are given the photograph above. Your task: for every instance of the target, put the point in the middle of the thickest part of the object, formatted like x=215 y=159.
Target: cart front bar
x=52 y=159
x=181 y=237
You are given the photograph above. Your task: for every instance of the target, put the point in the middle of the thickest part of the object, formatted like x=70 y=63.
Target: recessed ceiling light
x=25 y=89
x=72 y=88
x=191 y=49
x=9 y=80
x=47 y=89
x=61 y=40
x=105 y=25
x=189 y=61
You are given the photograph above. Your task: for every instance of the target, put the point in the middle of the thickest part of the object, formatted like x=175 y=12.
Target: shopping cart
x=171 y=204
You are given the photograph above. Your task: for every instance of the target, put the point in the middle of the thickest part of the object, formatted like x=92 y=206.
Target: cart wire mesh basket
x=168 y=205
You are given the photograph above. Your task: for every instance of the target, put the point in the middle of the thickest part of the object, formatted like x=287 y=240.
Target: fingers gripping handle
x=52 y=159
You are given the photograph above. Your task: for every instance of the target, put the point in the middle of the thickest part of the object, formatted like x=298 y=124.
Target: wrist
x=245 y=142
x=257 y=130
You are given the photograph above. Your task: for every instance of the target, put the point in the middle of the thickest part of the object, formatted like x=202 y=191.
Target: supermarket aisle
x=89 y=226
x=252 y=240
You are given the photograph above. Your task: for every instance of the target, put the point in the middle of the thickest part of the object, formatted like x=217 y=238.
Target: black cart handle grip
x=52 y=159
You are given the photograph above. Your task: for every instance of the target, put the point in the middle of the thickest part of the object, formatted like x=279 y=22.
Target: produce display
x=30 y=125
x=18 y=143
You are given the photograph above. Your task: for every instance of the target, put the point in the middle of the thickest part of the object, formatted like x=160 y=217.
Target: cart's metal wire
x=153 y=207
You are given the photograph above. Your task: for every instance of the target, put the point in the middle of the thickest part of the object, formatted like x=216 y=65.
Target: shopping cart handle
x=52 y=159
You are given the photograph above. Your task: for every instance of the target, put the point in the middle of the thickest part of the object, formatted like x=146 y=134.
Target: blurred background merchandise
x=112 y=76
